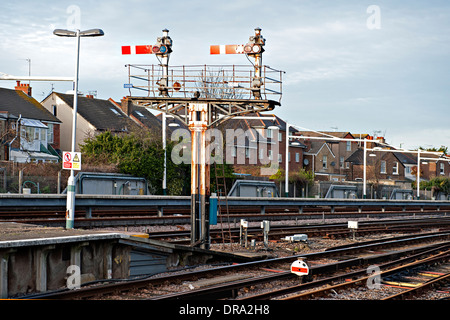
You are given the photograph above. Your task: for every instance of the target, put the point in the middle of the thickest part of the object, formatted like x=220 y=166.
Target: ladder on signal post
x=222 y=195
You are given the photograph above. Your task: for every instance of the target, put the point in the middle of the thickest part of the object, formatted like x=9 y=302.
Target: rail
x=56 y=200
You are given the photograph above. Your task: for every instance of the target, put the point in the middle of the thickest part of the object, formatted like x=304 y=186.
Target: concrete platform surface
x=19 y=234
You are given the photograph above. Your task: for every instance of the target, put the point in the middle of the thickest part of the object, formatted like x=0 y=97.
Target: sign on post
x=300 y=267
x=72 y=160
x=353 y=225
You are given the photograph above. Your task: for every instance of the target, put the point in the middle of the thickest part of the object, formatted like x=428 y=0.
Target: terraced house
x=29 y=133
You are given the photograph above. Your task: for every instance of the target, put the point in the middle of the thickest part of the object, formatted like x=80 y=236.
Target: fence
x=32 y=178
x=209 y=81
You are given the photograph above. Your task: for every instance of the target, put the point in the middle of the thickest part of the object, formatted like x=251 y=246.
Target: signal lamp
x=155 y=49
x=248 y=48
x=160 y=49
x=251 y=48
x=163 y=49
x=256 y=48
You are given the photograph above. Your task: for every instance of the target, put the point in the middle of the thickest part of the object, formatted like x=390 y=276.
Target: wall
x=65 y=114
x=41 y=268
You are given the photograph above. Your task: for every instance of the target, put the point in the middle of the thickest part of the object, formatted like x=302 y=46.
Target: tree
x=436 y=185
x=139 y=154
x=300 y=179
x=217 y=84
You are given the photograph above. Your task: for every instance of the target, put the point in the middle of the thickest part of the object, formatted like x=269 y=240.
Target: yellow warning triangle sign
x=75 y=158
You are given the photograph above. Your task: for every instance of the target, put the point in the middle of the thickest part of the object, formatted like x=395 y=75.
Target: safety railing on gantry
x=206 y=81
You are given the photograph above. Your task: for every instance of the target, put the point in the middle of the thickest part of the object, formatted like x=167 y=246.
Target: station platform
x=14 y=234
x=36 y=259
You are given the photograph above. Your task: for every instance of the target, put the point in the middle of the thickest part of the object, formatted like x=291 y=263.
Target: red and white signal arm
x=227 y=49
x=145 y=49
x=299 y=268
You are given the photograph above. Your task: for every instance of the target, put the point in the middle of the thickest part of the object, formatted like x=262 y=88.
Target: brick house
x=399 y=166
x=251 y=144
x=29 y=132
x=325 y=157
x=381 y=166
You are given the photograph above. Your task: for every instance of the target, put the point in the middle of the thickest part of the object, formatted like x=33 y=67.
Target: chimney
x=23 y=87
x=381 y=139
x=90 y=96
x=126 y=106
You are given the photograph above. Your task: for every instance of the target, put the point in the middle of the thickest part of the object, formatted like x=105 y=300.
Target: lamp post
x=164 y=134
x=70 y=205
x=418 y=174
x=286 y=177
x=365 y=170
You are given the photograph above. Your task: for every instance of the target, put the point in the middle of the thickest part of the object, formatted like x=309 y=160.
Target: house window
x=54 y=110
x=280 y=136
x=383 y=166
x=280 y=158
x=233 y=151
x=28 y=133
x=407 y=170
x=269 y=133
x=349 y=146
x=441 y=168
x=297 y=157
x=324 y=162
x=50 y=133
x=247 y=152
x=289 y=157
x=341 y=162
x=270 y=155
x=395 y=168
x=37 y=134
x=117 y=113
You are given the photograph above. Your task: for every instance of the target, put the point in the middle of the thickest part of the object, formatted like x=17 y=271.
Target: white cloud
x=333 y=61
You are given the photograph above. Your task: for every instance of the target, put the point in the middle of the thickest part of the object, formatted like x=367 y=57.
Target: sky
x=377 y=67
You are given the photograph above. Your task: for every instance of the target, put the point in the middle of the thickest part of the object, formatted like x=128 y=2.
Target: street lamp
x=286 y=169
x=164 y=133
x=70 y=206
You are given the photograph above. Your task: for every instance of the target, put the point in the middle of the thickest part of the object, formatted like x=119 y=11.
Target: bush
x=437 y=184
x=140 y=154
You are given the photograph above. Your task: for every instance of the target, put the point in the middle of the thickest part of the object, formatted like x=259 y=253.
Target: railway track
x=434 y=270
x=114 y=217
x=231 y=281
x=330 y=230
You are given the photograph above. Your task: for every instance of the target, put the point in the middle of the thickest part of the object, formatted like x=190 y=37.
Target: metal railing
x=206 y=81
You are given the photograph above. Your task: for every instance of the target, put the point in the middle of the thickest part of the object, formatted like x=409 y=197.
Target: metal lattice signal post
x=200 y=187
x=254 y=48
x=162 y=50
x=200 y=111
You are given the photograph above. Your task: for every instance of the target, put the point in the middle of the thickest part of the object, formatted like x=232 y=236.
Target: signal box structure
x=202 y=97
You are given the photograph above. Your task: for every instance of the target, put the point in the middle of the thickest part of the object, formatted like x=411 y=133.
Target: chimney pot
x=24 y=87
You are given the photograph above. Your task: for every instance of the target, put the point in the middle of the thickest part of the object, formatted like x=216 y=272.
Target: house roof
x=357 y=157
x=329 y=133
x=142 y=116
x=317 y=146
x=406 y=158
x=102 y=114
x=258 y=122
x=16 y=102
